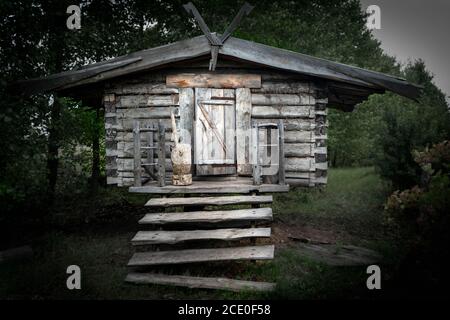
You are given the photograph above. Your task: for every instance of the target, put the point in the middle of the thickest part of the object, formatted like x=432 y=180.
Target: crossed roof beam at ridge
x=215 y=41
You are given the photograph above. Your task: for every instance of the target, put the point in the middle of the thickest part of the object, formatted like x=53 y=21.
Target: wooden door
x=215 y=131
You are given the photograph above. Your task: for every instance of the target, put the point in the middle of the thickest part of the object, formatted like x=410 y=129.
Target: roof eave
x=244 y=50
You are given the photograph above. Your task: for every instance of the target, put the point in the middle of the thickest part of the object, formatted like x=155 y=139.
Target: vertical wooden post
x=161 y=154
x=187 y=107
x=281 y=167
x=150 y=150
x=137 y=154
x=243 y=130
x=256 y=164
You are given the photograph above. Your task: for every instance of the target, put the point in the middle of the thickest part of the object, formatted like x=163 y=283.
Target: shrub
x=407 y=125
x=425 y=208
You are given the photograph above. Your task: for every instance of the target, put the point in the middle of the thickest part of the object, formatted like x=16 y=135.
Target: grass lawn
x=350 y=209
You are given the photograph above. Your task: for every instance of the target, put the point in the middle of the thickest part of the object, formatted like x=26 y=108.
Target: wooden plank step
x=207 y=201
x=255 y=214
x=201 y=255
x=203 y=187
x=199 y=282
x=171 y=237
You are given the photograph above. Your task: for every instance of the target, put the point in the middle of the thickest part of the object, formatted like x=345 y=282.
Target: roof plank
x=233 y=48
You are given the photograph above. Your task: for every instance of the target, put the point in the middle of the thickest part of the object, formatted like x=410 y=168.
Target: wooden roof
x=348 y=85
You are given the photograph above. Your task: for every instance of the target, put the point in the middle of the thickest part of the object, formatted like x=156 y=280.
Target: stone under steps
x=202 y=254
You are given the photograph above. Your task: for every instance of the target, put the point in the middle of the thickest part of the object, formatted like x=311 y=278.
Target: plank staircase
x=201 y=229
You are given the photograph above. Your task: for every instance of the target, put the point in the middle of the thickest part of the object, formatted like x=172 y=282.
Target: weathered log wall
x=301 y=103
x=146 y=98
x=302 y=106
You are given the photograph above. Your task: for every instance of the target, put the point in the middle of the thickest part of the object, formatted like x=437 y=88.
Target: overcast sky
x=412 y=29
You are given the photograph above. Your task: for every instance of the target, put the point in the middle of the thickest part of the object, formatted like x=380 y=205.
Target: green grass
x=351 y=202
x=351 y=205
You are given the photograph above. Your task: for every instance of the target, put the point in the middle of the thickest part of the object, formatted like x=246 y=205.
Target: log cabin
x=250 y=87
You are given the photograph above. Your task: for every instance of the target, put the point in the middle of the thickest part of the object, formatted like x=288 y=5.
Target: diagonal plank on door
x=215 y=130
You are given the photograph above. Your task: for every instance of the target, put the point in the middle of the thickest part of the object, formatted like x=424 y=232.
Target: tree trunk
x=56 y=46
x=334 y=161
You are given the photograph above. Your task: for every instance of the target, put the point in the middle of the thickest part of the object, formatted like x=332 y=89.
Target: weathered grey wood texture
x=171 y=237
x=215 y=127
x=208 y=201
x=218 y=81
x=213 y=187
x=255 y=214
x=301 y=108
x=201 y=255
x=350 y=85
x=199 y=282
x=299 y=103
